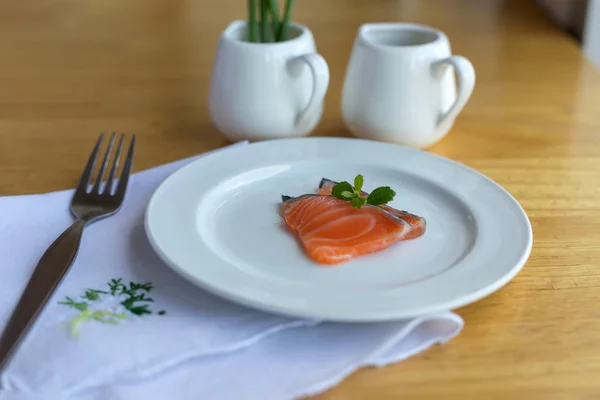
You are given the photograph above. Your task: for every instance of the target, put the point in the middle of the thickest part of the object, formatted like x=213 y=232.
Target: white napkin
x=200 y=347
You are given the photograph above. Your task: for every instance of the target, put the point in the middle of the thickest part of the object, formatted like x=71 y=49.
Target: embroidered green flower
x=92 y=294
x=81 y=305
x=134 y=298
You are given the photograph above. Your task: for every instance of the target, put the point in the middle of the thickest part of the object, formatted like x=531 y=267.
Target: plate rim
x=459 y=301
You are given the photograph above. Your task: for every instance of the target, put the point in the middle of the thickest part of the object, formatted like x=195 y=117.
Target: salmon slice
x=417 y=224
x=331 y=231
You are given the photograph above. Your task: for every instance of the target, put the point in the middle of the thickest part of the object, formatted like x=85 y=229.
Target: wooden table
x=72 y=68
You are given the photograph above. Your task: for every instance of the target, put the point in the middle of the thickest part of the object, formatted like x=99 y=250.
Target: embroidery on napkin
x=125 y=299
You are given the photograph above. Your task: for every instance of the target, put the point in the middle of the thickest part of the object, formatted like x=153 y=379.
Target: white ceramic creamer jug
x=400 y=87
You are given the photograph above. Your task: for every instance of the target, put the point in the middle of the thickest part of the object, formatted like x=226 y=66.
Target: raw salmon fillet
x=417 y=224
x=332 y=231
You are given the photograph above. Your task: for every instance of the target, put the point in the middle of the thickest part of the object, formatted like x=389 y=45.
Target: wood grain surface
x=70 y=69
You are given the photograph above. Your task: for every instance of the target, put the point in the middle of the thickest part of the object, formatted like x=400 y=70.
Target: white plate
x=216 y=223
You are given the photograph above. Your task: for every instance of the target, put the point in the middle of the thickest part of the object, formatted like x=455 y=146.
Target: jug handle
x=320 y=72
x=466 y=82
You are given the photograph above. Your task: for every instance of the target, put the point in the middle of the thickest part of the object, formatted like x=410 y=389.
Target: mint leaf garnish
x=358 y=183
x=381 y=195
x=358 y=202
x=346 y=191
x=342 y=189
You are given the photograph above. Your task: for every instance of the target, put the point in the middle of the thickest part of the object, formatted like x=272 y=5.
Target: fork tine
x=98 y=184
x=115 y=166
x=89 y=168
x=120 y=192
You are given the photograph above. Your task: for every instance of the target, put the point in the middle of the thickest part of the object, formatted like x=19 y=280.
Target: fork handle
x=49 y=272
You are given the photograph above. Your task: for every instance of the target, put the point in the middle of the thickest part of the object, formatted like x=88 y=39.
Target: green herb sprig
x=345 y=191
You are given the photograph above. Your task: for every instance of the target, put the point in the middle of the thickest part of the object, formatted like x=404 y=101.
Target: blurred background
x=581 y=19
x=72 y=68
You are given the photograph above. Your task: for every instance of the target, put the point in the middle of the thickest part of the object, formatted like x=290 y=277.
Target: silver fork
x=88 y=205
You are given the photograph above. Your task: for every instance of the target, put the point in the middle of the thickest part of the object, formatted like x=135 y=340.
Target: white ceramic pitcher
x=399 y=86
x=261 y=91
